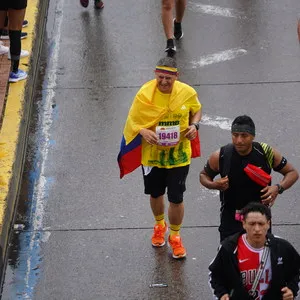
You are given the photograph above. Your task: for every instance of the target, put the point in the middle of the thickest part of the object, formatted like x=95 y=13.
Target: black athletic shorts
x=13 y=4
x=173 y=179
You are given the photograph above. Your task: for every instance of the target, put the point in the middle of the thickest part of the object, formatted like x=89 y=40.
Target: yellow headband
x=165 y=69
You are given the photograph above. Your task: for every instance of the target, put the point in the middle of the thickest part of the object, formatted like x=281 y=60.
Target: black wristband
x=196 y=125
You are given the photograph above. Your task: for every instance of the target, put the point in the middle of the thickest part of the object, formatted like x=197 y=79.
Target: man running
x=172 y=26
x=254 y=264
x=244 y=167
x=161 y=134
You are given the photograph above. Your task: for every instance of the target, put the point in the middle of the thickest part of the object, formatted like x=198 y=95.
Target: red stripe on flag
x=130 y=161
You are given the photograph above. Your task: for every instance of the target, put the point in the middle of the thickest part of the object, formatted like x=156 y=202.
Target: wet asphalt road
x=87 y=233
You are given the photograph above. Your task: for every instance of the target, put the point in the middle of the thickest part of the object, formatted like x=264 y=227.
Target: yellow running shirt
x=174 y=149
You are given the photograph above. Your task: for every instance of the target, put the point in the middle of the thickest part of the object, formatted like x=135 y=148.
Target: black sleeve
x=217 y=277
x=293 y=276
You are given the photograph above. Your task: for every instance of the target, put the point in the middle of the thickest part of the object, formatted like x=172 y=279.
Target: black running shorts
x=13 y=4
x=173 y=179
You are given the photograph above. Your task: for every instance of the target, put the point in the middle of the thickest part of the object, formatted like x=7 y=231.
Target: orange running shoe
x=178 y=249
x=158 y=237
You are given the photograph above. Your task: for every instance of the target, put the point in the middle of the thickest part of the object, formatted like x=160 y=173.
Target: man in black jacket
x=254 y=251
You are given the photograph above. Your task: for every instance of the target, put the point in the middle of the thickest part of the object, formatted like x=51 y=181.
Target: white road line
x=37 y=210
x=216 y=10
x=218 y=57
x=47 y=119
x=216 y=121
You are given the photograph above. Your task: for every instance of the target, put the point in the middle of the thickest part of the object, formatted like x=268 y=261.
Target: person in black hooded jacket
x=234 y=269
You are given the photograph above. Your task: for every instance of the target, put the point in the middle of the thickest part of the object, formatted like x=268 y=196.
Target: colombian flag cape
x=144 y=114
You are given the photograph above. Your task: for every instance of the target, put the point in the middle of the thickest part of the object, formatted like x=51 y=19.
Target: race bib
x=168 y=135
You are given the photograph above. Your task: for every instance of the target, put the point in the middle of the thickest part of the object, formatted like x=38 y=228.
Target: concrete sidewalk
x=15 y=107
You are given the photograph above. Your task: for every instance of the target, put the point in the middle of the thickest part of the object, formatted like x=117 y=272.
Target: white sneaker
x=15 y=77
x=3 y=49
x=23 y=53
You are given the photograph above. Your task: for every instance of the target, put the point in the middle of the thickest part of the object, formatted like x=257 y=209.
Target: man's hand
x=191 y=132
x=225 y=297
x=221 y=184
x=269 y=194
x=149 y=136
x=287 y=294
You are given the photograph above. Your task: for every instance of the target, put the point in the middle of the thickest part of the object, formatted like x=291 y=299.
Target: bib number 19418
x=168 y=135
